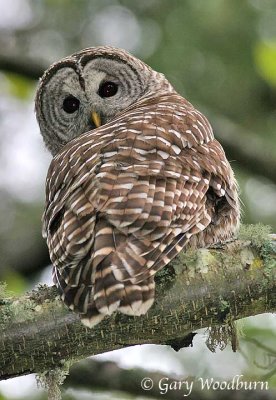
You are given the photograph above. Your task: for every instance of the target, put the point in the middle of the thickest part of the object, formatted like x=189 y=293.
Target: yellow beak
x=96 y=118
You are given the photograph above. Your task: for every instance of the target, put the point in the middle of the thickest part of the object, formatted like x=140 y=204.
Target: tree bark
x=198 y=289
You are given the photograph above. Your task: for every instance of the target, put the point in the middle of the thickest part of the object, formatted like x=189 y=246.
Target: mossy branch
x=198 y=289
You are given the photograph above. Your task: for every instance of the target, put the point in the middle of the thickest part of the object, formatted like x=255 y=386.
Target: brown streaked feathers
x=124 y=199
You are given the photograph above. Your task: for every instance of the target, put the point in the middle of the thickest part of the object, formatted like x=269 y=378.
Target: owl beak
x=96 y=119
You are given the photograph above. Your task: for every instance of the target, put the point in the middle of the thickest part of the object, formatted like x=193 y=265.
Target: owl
x=137 y=177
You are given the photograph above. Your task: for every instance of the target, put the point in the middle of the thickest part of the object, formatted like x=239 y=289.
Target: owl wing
x=124 y=200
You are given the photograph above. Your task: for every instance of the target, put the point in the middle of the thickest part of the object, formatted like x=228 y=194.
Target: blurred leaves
x=15 y=281
x=21 y=245
x=19 y=86
x=257 y=344
x=265 y=58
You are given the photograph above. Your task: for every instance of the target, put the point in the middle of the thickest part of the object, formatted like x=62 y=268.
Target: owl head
x=90 y=88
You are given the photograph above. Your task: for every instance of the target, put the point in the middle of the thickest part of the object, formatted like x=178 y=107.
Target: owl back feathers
x=123 y=200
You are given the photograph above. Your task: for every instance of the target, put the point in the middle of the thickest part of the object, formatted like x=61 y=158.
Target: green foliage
x=19 y=86
x=265 y=58
x=15 y=281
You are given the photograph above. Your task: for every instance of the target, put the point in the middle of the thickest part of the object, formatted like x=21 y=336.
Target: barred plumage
x=124 y=199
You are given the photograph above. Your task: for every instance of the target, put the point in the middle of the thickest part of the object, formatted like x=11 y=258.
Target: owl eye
x=108 y=89
x=70 y=104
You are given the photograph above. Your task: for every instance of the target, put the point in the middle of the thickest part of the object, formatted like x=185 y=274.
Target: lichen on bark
x=203 y=288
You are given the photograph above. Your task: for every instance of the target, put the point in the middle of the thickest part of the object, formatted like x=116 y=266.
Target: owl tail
x=94 y=301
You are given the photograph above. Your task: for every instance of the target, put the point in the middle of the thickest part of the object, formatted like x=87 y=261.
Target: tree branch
x=198 y=289
x=27 y=68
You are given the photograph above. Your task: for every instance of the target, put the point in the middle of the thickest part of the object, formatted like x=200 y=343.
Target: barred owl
x=136 y=177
